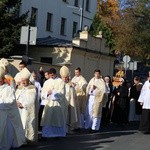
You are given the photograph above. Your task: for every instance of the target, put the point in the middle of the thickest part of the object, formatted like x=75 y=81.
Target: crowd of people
x=57 y=104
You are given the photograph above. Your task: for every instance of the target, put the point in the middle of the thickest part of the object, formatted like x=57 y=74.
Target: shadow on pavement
x=84 y=140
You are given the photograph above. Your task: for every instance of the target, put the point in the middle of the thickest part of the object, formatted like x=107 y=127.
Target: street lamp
x=81 y=13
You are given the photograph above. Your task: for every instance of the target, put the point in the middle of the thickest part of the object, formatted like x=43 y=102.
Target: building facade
x=87 y=52
x=59 y=18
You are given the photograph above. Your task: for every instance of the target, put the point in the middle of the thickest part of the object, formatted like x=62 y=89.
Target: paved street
x=109 y=138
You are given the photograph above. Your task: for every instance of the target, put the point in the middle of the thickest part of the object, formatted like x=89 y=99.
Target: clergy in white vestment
x=97 y=92
x=26 y=96
x=72 y=113
x=36 y=83
x=17 y=79
x=8 y=78
x=53 y=120
x=11 y=129
x=80 y=84
x=144 y=100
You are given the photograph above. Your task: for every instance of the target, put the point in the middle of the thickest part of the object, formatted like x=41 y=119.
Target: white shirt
x=145 y=95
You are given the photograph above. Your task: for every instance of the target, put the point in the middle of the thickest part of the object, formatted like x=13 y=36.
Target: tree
x=10 y=25
x=128 y=25
x=99 y=25
x=135 y=38
x=142 y=15
x=124 y=35
x=105 y=20
x=109 y=11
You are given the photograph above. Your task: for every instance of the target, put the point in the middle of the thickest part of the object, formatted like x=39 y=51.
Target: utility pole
x=28 y=40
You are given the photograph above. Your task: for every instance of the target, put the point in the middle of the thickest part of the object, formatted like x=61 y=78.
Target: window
x=46 y=60
x=75 y=25
x=87 y=6
x=49 y=22
x=63 y=26
x=64 y=0
x=76 y=3
x=34 y=12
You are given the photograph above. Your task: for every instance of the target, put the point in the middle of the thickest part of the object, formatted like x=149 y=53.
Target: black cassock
x=135 y=93
x=121 y=105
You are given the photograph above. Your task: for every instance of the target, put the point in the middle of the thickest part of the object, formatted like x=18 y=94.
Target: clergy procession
x=53 y=105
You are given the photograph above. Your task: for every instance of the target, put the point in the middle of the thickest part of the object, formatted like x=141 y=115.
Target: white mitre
x=4 y=62
x=17 y=77
x=2 y=72
x=25 y=73
x=64 y=71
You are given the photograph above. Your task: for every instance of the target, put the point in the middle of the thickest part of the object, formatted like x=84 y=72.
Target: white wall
x=59 y=9
x=87 y=61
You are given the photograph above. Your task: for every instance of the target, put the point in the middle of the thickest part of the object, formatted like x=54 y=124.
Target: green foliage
x=99 y=25
x=10 y=25
x=94 y=29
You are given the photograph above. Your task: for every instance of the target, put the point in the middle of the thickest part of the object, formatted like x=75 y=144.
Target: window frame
x=74 y=30
x=63 y=26
x=49 y=21
x=76 y=3
x=34 y=16
x=87 y=5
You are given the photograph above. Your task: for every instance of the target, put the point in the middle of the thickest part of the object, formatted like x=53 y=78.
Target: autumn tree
x=109 y=11
x=128 y=23
x=142 y=15
x=133 y=34
x=105 y=20
x=10 y=25
x=124 y=35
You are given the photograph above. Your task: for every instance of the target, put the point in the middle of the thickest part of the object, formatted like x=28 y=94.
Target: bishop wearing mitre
x=26 y=96
x=72 y=114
